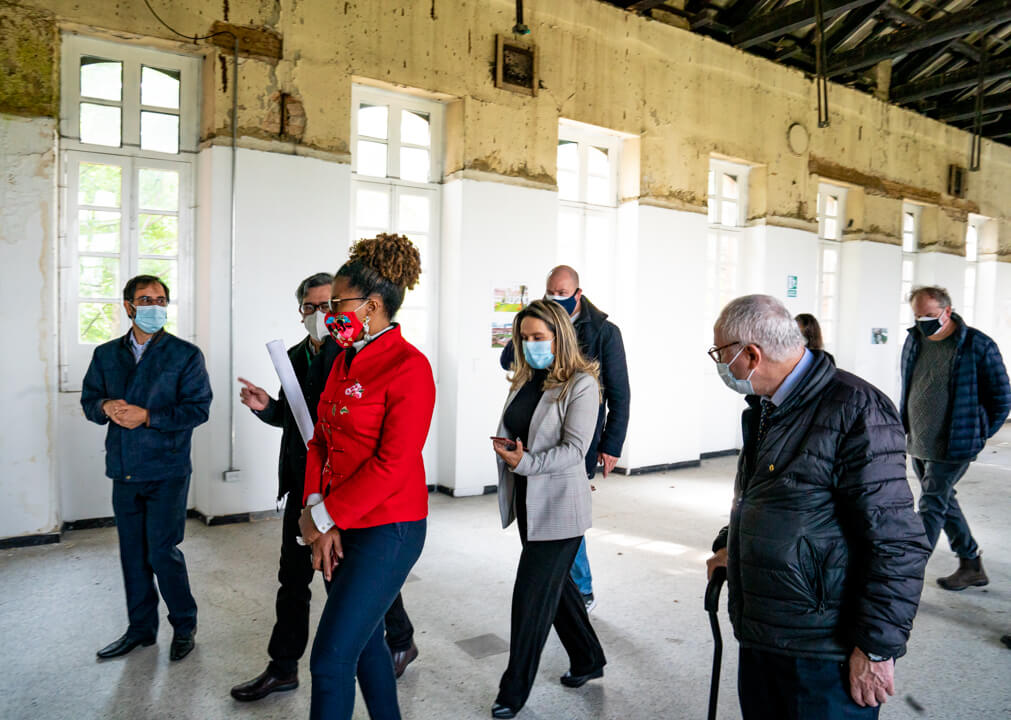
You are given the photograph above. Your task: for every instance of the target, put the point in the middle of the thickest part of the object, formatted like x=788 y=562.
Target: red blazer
x=365 y=452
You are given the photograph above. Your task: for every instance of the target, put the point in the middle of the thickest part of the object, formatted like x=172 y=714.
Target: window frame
x=586 y=136
x=75 y=355
x=839 y=193
x=133 y=58
x=398 y=102
x=970 y=293
x=909 y=257
x=717 y=169
x=829 y=338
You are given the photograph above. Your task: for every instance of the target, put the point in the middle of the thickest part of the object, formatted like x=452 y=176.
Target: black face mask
x=928 y=326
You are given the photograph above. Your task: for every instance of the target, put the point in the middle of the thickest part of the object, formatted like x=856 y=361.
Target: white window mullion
x=393 y=141
x=131 y=105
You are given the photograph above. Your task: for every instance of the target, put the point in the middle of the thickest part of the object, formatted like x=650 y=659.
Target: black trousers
x=545 y=595
x=290 y=635
x=150 y=521
x=780 y=687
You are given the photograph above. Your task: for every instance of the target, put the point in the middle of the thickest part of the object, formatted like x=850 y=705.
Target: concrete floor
x=60 y=603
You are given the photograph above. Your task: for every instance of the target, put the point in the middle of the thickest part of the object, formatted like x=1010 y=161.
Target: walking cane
x=712 y=603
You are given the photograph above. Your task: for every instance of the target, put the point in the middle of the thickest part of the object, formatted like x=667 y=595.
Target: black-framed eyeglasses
x=146 y=300
x=714 y=352
x=334 y=303
x=309 y=308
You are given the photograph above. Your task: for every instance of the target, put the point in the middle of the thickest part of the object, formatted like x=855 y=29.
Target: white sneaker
x=590 y=602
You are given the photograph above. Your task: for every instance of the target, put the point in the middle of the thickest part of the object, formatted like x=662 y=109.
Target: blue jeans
x=939 y=508
x=151 y=520
x=581 y=570
x=781 y=687
x=349 y=641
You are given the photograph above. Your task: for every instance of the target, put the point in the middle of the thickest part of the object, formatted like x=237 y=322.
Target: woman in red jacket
x=365 y=491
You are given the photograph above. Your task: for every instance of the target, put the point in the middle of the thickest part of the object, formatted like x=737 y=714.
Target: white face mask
x=315 y=325
x=742 y=386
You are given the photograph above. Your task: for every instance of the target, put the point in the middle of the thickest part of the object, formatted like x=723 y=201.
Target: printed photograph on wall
x=501 y=332
x=510 y=299
x=879 y=336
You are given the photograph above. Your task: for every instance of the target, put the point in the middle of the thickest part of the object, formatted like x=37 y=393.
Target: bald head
x=565 y=275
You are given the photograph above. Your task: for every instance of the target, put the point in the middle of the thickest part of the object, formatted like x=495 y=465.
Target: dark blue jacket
x=979 y=391
x=600 y=340
x=171 y=383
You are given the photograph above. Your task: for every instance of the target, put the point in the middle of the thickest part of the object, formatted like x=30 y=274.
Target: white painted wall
x=870 y=297
x=292 y=221
x=493 y=233
x=28 y=365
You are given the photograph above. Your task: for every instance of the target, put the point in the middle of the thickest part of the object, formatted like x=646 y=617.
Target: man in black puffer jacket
x=825 y=555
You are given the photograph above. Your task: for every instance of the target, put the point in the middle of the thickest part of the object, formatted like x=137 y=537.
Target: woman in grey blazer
x=546 y=427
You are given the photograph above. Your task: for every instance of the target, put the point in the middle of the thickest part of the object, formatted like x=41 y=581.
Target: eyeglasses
x=714 y=352
x=145 y=300
x=309 y=308
x=334 y=303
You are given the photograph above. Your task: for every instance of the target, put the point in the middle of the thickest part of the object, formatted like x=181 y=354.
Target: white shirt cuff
x=313 y=499
x=321 y=517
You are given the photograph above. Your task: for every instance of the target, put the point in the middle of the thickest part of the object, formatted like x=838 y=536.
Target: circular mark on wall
x=797 y=137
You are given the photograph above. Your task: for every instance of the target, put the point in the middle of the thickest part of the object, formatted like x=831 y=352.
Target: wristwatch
x=874 y=657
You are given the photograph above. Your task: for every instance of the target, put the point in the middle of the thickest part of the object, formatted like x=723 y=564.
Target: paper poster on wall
x=879 y=336
x=791 y=286
x=501 y=333
x=509 y=299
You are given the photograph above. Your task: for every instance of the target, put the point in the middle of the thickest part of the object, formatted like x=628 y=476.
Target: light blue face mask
x=538 y=353
x=150 y=318
x=742 y=386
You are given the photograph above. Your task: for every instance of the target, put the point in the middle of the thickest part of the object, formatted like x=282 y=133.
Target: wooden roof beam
x=792 y=17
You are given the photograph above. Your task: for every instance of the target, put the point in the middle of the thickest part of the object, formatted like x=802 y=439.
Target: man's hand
x=719 y=559
x=511 y=457
x=253 y=396
x=130 y=416
x=870 y=682
x=109 y=407
x=307 y=526
x=607 y=461
x=327 y=552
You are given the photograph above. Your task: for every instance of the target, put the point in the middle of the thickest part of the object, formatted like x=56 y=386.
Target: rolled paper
x=292 y=390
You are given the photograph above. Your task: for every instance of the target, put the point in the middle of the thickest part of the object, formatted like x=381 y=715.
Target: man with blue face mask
x=600 y=340
x=955 y=397
x=823 y=551
x=152 y=389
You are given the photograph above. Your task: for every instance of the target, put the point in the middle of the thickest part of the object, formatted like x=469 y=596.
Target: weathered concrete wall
x=685 y=95
x=28 y=52
x=28 y=318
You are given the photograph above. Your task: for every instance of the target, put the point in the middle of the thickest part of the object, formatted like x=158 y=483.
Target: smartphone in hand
x=509 y=444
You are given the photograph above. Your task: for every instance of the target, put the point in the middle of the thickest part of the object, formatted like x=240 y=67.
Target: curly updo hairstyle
x=387 y=265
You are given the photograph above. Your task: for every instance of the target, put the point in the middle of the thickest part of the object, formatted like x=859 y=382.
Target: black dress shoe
x=403 y=658
x=262 y=685
x=574 y=681
x=182 y=645
x=499 y=710
x=122 y=646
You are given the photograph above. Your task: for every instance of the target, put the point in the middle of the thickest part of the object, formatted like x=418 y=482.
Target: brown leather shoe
x=970 y=573
x=262 y=685
x=403 y=658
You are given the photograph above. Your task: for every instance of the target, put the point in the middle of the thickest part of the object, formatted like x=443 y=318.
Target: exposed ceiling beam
x=967 y=109
x=949 y=82
x=899 y=15
x=902 y=42
x=792 y=17
x=644 y=5
x=851 y=25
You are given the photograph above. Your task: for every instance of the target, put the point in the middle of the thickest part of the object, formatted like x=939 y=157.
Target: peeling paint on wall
x=27 y=62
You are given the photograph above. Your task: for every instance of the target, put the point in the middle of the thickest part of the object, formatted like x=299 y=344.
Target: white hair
x=764 y=321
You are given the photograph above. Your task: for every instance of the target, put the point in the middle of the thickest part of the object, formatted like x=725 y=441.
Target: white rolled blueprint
x=292 y=390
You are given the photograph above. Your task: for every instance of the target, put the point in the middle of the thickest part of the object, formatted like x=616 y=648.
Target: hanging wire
x=821 y=81
x=976 y=145
x=232 y=236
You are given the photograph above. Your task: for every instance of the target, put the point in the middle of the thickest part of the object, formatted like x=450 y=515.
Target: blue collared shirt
x=136 y=348
x=791 y=380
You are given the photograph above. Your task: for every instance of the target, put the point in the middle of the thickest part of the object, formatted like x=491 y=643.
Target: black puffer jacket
x=824 y=550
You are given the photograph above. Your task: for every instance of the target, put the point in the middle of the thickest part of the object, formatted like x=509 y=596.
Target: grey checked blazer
x=558 y=491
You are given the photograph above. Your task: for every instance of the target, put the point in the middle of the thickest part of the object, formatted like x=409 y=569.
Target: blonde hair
x=569 y=359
